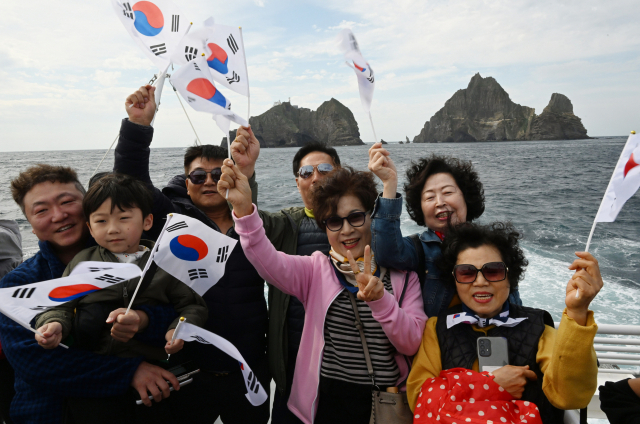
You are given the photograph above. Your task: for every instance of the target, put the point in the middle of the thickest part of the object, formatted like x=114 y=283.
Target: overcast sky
x=66 y=67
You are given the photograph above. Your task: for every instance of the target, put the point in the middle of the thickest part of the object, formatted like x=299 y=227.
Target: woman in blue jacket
x=440 y=191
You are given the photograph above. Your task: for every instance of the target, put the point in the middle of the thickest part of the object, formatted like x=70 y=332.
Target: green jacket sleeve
x=187 y=303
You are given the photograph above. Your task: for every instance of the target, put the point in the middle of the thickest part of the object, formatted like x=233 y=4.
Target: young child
x=118 y=210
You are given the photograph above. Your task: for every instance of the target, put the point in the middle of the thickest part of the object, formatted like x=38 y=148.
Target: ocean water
x=550 y=190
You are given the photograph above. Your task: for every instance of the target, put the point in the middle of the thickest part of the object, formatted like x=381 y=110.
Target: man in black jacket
x=237 y=308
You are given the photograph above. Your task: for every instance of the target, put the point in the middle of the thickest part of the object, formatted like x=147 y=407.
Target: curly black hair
x=339 y=183
x=501 y=235
x=462 y=171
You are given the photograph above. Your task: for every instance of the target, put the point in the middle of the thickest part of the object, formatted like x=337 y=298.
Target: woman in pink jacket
x=331 y=382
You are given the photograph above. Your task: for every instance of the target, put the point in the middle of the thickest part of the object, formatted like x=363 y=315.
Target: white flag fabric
x=156 y=26
x=23 y=303
x=224 y=54
x=625 y=181
x=96 y=266
x=255 y=392
x=193 y=82
x=366 y=80
x=193 y=253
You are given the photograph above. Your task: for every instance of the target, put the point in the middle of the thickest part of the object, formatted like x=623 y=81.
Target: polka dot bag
x=461 y=396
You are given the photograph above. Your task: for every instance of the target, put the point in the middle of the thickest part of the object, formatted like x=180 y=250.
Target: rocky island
x=484 y=112
x=286 y=125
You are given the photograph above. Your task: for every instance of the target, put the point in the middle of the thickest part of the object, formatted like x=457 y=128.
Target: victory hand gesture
x=141 y=105
x=380 y=163
x=239 y=191
x=588 y=281
x=370 y=287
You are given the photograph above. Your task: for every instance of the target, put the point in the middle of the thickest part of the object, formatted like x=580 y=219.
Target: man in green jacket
x=294 y=231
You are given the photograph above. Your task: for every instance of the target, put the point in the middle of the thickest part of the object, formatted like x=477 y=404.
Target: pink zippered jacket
x=313 y=281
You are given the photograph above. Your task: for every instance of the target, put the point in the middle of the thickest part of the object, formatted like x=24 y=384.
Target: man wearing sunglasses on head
x=237 y=304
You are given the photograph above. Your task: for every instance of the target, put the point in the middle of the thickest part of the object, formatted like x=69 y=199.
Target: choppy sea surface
x=550 y=190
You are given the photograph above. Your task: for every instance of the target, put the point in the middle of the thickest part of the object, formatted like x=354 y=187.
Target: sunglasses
x=307 y=171
x=492 y=272
x=355 y=219
x=199 y=176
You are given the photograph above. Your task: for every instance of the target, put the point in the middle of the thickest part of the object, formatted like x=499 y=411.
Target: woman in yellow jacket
x=555 y=369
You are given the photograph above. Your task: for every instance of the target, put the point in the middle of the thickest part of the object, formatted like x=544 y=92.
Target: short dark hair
x=42 y=173
x=462 y=172
x=341 y=182
x=205 y=151
x=310 y=148
x=124 y=192
x=501 y=235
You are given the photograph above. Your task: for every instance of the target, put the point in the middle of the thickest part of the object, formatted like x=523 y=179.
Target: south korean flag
x=157 y=26
x=223 y=51
x=194 y=83
x=193 y=253
x=355 y=60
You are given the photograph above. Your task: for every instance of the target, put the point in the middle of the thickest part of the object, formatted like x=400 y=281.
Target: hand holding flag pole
x=175 y=333
x=624 y=182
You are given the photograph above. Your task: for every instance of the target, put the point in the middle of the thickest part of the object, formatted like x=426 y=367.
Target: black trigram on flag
x=232 y=43
x=175 y=23
x=177 y=226
x=190 y=99
x=234 y=78
x=190 y=53
x=354 y=43
x=158 y=49
x=253 y=383
x=200 y=339
x=95 y=269
x=371 y=79
x=126 y=10
x=195 y=65
x=108 y=278
x=24 y=293
x=222 y=254
x=194 y=274
x=40 y=308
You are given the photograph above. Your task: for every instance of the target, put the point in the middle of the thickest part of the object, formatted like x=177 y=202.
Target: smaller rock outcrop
x=557 y=122
x=407 y=139
x=383 y=142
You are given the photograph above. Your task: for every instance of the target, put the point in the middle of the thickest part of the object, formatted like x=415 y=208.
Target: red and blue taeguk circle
x=149 y=20
x=202 y=87
x=218 y=59
x=67 y=293
x=188 y=248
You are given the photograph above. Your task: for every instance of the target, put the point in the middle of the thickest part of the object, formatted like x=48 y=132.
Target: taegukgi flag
x=625 y=181
x=255 y=392
x=224 y=53
x=366 y=79
x=156 y=26
x=193 y=253
x=23 y=303
x=193 y=82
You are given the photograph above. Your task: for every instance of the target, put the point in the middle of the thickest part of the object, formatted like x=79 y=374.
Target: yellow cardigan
x=566 y=357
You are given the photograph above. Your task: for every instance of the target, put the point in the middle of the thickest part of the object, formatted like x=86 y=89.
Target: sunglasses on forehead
x=307 y=171
x=199 y=176
x=492 y=272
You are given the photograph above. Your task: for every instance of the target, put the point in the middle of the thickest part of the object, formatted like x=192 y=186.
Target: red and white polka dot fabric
x=461 y=396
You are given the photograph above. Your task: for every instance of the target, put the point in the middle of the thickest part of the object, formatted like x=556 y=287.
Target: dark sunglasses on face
x=355 y=219
x=306 y=171
x=492 y=272
x=199 y=176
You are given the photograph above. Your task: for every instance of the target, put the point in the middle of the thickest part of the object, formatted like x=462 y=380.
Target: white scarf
x=129 y=258
x=342 y=264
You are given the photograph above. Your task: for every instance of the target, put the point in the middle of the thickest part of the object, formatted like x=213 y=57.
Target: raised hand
x=141 y=105
x=239 y=191
x=245 y=150
x=513 y=379
x=588 y=281
x=370 y=287
x=380 y=163
x=52 y=333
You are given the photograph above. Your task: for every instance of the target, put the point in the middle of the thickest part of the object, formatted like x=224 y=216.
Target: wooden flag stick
x=148 y=264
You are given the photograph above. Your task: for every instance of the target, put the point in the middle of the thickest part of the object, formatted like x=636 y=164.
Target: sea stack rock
x=557 y=122
x=286 y=125
x=481 y=112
